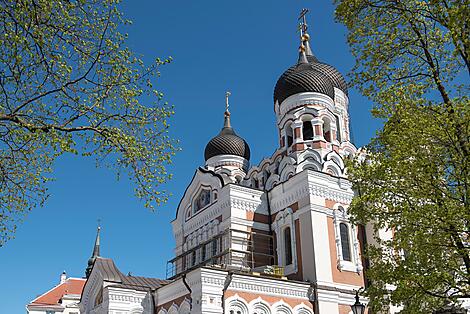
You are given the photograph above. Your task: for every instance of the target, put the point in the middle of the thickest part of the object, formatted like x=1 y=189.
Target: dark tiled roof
x=227 y=142
x=108 y=270
x=141 y=283
x=110 y=273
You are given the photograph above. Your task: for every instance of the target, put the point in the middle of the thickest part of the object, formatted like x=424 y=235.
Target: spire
x=96 y=249
x=304 y=49
x=305 y=39
x=227 y=112
x=302 y=55
x=303 y=26
x=306 y=42
x=96 y=253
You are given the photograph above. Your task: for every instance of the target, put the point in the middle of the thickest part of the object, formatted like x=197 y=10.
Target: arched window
x=287 y=247
x=202 y=200
x=327 y=130
x=289 y=135
x=307 y=130
x=345 y=246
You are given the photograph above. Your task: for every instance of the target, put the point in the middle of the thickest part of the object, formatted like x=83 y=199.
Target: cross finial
x=227 y=94
x=99 y=223
x=303 y=21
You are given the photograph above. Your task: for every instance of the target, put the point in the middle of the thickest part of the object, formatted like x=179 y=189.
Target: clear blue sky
x=242 y=46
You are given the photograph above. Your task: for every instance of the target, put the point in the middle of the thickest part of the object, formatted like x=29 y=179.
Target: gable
x=201 y=192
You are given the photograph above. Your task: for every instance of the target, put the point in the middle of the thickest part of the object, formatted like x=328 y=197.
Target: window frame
x=284 y=219
x=341 y=217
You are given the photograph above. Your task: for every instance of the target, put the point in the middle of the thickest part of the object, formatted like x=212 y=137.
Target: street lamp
x=358 y=307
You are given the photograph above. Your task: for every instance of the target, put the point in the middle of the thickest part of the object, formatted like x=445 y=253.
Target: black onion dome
x=227 y=142
x=335 y=77
x=302 y=78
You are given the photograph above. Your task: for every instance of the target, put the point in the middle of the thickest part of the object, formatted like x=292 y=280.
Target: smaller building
x=63 y=298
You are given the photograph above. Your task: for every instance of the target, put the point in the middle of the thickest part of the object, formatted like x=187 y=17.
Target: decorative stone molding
x=303 y=99
x=228 y=160
x=259 y=306
x=310 y=183
x=236 y=305
x=282 y=307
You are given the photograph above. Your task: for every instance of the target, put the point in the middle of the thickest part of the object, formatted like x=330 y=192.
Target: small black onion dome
x=227 y=142
x=335 y=77
x=302 y=78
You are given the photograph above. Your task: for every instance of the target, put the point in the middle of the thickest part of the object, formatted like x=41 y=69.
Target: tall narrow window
x=203 y=253
x=338 y=129
x=307 y=130
x=327 y=130
x=289 y=135
x=345 y=247
x=214 y=247
x=193 y=258
x=287 y=247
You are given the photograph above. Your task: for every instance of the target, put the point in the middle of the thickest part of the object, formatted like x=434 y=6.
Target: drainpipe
x=228 y=280
x=315 y=304
x=190 y=291
x=271 y=243
x=154 y=304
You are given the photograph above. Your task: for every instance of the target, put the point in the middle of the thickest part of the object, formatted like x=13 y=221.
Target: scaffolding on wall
x=232 y=249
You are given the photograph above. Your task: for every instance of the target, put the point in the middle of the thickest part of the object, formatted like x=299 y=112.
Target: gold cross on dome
x=227 y=94
x=303 y=21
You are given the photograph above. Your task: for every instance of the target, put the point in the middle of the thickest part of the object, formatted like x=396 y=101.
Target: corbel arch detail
x=259 y=306
x=282 y=307
x=302 y=309
x=236 y=305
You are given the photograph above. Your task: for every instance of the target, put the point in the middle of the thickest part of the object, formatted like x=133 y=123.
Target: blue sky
x=241 y=46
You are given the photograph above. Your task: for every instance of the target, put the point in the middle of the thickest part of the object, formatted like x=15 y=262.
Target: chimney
x=63 y=277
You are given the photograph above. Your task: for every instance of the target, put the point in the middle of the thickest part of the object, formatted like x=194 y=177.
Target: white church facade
x=266 y=239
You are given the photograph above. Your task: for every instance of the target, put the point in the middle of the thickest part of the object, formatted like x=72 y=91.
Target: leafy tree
x=413 y=62
x=68 y=84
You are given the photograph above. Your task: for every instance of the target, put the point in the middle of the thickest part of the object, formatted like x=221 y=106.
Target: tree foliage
x=413 y=62
x=69 y=84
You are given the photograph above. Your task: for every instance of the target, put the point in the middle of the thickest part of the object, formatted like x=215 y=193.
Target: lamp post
x=358 y=307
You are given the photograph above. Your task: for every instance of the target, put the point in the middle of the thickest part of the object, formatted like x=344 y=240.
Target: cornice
x=311 y=184
x=302 y=99
x=269 y=286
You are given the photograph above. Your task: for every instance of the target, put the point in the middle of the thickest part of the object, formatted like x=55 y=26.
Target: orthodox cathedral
x=264 y=239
